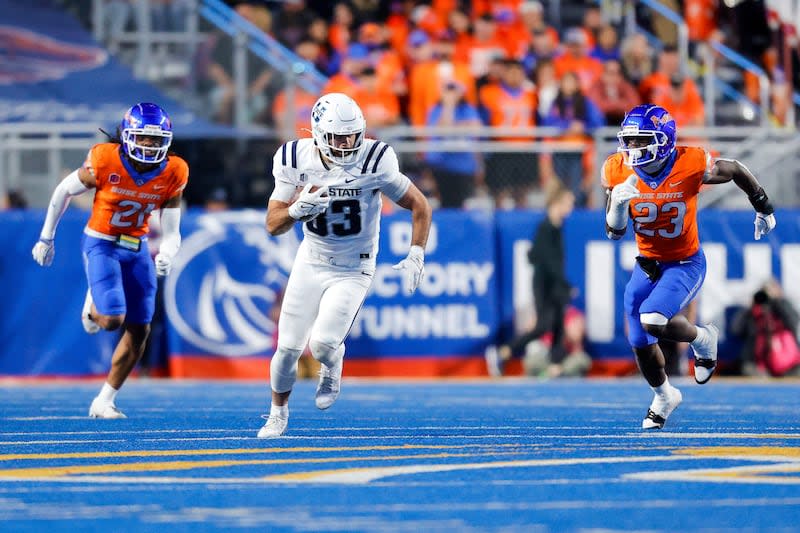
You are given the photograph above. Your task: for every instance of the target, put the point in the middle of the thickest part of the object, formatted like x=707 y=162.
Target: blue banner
x=599 y=269
x=222 y=296
x=53 y=71
x=454 y=310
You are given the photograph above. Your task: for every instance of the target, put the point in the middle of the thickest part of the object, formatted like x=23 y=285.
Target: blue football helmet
x=647 y=135
x=146 y=133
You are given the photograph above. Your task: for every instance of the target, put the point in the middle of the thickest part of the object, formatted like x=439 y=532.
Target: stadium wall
x=222 y=296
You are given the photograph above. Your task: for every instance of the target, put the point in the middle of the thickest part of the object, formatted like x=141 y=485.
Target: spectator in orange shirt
x=510 y=31
x=685 y=106
x=510 y=176
x=426 y=79
x=613 y=94
x=292 y=118
x=346 y=80
x=659 y=81
x=460 y=27
x=576 y=59
x=701 y=18
x=483 y=46
x=386 y=62
x=379 y=104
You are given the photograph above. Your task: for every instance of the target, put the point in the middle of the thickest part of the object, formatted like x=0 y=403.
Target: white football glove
x=310 y=204
x=624 y=192
x=163 y=264
x=413 y=267
x=44 y=251
x=764 y=224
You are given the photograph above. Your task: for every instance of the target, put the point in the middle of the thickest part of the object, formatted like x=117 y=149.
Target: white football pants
x=320 y=304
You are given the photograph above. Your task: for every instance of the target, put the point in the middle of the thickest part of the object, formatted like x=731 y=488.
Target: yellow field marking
x=60 y=471
x=741 y=451
x=236 y=451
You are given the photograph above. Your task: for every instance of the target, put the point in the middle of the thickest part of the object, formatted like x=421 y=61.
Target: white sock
x=664 y=389
x=702 y=336
x=279 y=410
x=107 y=393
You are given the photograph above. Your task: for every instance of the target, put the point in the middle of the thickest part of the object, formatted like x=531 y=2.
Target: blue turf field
x=452 y=456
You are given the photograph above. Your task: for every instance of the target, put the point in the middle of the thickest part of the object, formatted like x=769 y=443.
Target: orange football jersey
x=121 y=205
x=665 y=215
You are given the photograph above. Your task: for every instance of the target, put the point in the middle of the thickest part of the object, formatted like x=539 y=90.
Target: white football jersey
x=348 y=230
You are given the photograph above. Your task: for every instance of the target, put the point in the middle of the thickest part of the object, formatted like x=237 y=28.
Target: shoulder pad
x=289 y=153
x=375 y=155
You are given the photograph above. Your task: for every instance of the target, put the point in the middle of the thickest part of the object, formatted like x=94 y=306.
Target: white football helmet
x=337 y=125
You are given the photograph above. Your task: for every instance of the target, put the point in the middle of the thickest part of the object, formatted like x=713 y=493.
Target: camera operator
x=769 y=330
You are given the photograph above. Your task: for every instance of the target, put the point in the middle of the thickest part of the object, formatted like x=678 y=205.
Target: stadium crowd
x=571 y=65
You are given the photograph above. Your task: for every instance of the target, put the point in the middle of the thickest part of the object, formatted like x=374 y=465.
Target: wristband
x=760 y=202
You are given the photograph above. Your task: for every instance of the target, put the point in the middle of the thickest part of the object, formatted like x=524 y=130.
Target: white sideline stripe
x=360 y=476
x=30 y=442
x=529 y=434
x=717 y=475
x=456 y=428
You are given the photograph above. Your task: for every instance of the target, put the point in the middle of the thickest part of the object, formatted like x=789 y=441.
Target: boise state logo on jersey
x=224 y=284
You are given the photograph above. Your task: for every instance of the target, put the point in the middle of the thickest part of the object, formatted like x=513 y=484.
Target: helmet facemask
x=642 y=147
x=146 y=145
x=341 y=148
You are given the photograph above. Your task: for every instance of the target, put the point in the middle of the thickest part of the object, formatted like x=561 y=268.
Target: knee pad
x=325 y=353
x=283 y=369
x=653 y=323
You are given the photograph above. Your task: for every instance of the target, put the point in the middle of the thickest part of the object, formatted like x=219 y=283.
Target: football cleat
x=494 y=366
x=100 y=409
x=275 y=426
x=705 y=355
x=90 y=326
x=661 y=408
x=330 y=381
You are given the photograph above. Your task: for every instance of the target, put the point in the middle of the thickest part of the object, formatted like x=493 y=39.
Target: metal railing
x=33 y=157
x=246 y=38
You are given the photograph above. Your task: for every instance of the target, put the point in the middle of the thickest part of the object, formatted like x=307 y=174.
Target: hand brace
x=621 y=195
x=413 y=268
x=43 y=252
x=764 y=224
x=310 y=204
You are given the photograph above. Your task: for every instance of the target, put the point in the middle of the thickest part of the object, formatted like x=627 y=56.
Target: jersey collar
x=655 y=180
x=141 y=179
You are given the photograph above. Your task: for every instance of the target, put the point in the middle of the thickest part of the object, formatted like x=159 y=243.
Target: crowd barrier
x=220 y=298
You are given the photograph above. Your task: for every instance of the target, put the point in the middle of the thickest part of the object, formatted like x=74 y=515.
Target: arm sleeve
x=59 y=201
x=170 y=231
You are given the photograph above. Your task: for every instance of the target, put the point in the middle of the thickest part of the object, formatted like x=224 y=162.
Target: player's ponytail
x=116 y=138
